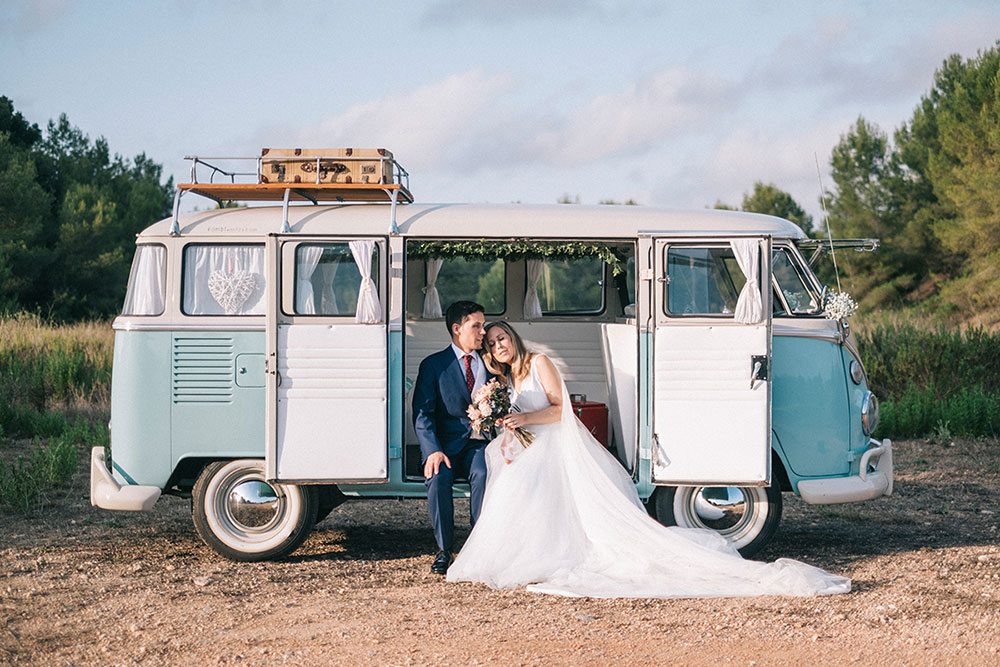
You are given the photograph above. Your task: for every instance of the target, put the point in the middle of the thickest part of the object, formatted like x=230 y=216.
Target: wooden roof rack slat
x=285 y=192
x=311 y=192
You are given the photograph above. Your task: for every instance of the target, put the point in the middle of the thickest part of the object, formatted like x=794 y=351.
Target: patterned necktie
x=470 y=379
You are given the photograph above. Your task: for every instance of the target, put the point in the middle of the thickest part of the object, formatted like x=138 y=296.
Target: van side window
x=795 y=297
x=703 y=281
x=327 y=279
x=482 y=281
x=223 y=280
x=569 y=286
x=146 y=281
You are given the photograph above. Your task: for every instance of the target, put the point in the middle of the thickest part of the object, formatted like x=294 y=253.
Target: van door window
x=223 y=280
x=147 y=281
x=702 y=281
x=473 y=280
x=795 y=297
x=327 y=279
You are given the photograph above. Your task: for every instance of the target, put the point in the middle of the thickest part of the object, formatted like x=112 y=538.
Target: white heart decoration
x=231 y=290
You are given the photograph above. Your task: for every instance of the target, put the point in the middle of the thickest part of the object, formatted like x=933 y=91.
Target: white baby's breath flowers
x=839 y=306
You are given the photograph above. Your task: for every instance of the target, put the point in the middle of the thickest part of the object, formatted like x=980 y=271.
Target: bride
x=563 y=516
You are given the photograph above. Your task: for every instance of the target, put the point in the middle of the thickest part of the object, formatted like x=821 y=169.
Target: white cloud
x=465 y=120
x=491 y=13
x=786 y=158
x=31 y=16
x=426 y=127
x=633 y=120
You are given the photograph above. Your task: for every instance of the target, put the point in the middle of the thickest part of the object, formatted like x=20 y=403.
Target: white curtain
x=532 y=307
x=432 y=300
x=749 y=308
x=369 y=309
x=308 y=260
x=146 y=283
x=327 y=299
x=224 y=280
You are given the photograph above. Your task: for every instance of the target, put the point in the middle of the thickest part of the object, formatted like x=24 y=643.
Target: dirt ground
x=81 y=586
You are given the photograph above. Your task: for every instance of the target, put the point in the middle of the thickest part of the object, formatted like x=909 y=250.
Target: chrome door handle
x=759 y=369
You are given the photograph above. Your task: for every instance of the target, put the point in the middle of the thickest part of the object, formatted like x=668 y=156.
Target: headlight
x=857 y=374
x=869 y=413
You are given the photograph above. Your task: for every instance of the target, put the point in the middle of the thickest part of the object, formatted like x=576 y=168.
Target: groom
x=448 y=446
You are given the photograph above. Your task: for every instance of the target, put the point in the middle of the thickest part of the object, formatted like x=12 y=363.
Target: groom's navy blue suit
x=440 y=400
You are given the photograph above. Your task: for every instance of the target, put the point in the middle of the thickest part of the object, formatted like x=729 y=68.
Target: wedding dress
x=564 y=518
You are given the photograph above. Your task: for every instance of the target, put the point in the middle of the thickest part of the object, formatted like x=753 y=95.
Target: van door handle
x=759 y=371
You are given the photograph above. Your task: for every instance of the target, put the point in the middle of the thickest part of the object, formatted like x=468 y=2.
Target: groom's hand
x=433 y=464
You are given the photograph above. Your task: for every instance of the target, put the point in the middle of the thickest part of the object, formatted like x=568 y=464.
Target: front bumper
x=108 y=494
x=864 y=486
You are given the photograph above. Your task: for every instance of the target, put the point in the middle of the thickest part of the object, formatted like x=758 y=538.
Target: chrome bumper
x=865 y=486
x=108 y=494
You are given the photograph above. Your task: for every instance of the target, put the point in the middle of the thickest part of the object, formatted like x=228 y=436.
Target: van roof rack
x=235 y=184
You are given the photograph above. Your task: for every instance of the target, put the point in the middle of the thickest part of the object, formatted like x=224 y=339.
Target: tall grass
x=930 y=377
x=55 y=387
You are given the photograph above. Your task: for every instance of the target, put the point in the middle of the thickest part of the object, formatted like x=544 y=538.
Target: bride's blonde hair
x=519 y=366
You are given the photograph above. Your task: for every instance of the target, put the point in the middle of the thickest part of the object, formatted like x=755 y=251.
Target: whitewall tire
x=747 y=516
x=244 y=518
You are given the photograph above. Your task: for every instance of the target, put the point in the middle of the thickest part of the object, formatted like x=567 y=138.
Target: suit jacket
x=440 y=401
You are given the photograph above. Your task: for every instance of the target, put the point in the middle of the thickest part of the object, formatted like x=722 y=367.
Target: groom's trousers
x=470 y=462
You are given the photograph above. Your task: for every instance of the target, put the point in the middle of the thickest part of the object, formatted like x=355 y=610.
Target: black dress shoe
x=441 y=563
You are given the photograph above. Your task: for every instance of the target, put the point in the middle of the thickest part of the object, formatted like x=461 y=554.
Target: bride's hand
x=514 y=420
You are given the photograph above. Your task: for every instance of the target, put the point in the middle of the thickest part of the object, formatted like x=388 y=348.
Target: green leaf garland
x=516 y=249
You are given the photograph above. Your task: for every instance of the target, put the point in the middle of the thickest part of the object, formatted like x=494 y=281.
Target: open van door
x=327 y=357
x=712 y=361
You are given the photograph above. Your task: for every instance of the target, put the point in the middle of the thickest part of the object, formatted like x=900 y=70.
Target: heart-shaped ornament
x=231 y=290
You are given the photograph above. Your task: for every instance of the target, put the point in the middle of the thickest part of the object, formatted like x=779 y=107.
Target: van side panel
x=810 y=412
x=216 y=394
x=140 y=408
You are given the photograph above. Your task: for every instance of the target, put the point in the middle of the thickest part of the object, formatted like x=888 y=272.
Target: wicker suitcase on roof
x=326 y=165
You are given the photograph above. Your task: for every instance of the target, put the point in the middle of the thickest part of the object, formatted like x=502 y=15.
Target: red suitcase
x=594 y=416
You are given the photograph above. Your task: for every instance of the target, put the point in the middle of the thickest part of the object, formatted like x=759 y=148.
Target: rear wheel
x=747 y=516
x=245 y=518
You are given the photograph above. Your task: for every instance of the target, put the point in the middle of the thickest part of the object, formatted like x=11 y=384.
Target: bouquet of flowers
x=490 y=405
x=839 y=306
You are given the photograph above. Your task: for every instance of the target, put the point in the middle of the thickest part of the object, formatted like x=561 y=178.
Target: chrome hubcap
x=252 y=504
x=721 y=508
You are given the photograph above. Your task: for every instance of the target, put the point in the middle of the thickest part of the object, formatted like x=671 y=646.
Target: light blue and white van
x=264 y=356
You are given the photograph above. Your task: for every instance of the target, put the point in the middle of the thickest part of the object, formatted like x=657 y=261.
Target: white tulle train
x=564 y=518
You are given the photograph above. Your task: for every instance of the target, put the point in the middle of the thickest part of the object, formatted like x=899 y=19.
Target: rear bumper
x=864 y=486
x=108 y=494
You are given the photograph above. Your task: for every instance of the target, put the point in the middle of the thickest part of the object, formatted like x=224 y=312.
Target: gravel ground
x=85 y=586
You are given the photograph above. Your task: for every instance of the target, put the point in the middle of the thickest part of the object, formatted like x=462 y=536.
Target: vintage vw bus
x=265 y=355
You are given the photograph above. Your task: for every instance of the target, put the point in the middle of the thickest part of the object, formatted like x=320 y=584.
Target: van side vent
x=202 y=370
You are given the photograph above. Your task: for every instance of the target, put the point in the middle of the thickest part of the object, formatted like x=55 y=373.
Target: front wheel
x=245 y=518
x=747 y=516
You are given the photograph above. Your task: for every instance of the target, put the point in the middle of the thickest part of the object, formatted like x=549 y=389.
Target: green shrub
x=18 y=485
x=929 y=377
x=900 y=356
x=27 y=422
x=50 y=465
x=970 y=412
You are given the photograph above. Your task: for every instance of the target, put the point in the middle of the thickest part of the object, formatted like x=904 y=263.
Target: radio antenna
x=826 y=219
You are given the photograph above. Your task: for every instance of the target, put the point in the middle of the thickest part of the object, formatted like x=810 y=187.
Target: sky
x=677 y=104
